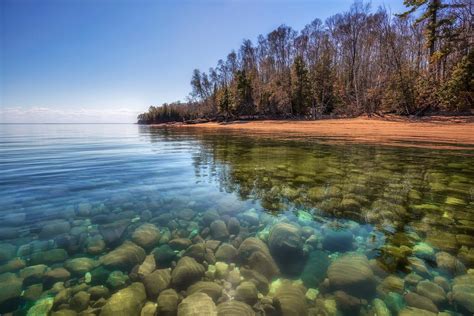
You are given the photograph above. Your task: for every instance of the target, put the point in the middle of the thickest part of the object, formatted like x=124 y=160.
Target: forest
x=361 y=61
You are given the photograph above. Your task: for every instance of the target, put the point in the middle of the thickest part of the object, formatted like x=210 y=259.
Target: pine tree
x=300 y=87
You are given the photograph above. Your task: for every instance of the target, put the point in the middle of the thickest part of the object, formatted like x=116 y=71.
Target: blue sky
x=108 y=60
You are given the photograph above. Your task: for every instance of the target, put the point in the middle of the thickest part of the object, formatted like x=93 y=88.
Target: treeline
x=354 y=63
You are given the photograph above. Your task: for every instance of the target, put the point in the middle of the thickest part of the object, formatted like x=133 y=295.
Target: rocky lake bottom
x=134 y=220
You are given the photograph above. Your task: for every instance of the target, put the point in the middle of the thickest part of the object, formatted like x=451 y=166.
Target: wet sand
x=432 y=132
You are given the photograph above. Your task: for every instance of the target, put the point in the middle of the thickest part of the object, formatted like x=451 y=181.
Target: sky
x=80 y=61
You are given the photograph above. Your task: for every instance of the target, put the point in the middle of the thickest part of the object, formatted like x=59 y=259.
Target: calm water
x=288 y=227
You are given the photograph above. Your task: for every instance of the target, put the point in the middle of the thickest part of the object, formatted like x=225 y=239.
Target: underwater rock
x=226 y=252
x=197 y=304
x=395 y=302
x=260 y=281
x=196 y=251
x=463 y=291
x=180 y=243
x=351 y=273
x=186 y=214
x=33 y=292
x=219 y=230
x=55 y=275
x=186 y=272
x=213 y=244
x=413 y=278
x=80 y=301
x=412 y=311
x=418 y=265
x=13 y=265
x=379 y=307
x=424 y=251
x=209 y=216
x=392 y=283
x=80 y=266
x=54 y=228
x=95 y=245
x=346 y=303
x=10 y=293
x=234 y=308
x=442 y=240
x=147 y=266
x=421 y=302
x=84 y=209
x=156 y=282
x=213 y=290
x=98 y=291
x=432 y=291
x=449 y=264
x=291 y=299
x=315 y=269
x=442 y=282
x=117 y=280
x=285 y=241
x=254 y=253
x=41 y=307
x=247 y=292
x=338 y=240
x=49 y=256
x=34 y=273
x=149 y=309
x=251 y=217
x=146 y=236
x=7 y=252
x=233 y=225
x=123 y=257
x=167 y=302
x=112 y=233
x=164 y=255
x=126 y=302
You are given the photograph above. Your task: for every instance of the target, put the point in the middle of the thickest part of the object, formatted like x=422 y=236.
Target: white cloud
x=59 y=115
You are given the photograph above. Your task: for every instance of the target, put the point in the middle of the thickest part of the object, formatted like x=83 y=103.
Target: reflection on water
x=266 y=226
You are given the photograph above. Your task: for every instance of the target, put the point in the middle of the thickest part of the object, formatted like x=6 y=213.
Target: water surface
x=401 y=218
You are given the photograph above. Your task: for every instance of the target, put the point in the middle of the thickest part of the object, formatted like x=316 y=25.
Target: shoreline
x=439 y=132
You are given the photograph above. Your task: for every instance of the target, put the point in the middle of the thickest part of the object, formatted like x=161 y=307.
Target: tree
x=300 y=87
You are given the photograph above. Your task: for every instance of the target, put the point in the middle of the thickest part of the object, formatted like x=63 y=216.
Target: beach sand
x=431 y=132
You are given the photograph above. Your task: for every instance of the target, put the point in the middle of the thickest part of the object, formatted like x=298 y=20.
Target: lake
x=253 y=223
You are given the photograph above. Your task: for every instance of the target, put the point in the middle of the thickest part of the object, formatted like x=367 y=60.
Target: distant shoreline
x=441 y=132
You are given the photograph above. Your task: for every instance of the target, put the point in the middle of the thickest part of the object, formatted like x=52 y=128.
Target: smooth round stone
x=226 y=252
x=167 y=302
x=380 y=308
x=351 y=273
x=213 y=290
x=197 y=304
x=123 y=257
x=186 y=272
x=421 y=302
x=449 y=264
x=10 y=293
x=234 y=308
x=432 y=291
x=156 y=282
x=247 y=292
x=80 y=266
x=80 y=301
x=164 y=255
x=219 y=230
x=463 y=292
x=128 y=301
x=146 y=236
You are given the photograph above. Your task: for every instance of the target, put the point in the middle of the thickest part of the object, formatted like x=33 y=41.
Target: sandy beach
x=431 y=132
